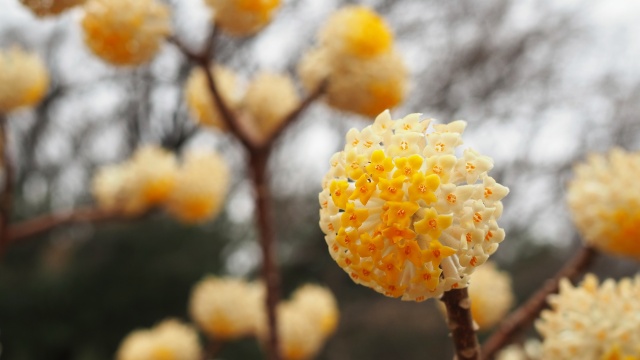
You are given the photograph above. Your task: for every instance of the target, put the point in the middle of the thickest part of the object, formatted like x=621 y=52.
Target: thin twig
x=7 y=188
x=313 y=96
x=522 y=317
x=460 y=323
x=45 y=223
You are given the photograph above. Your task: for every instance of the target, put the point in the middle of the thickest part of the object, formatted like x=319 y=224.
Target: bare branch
x=527 y=312
x=45 y=223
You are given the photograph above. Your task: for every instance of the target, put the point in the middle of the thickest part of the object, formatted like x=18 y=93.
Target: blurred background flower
x=541 y=83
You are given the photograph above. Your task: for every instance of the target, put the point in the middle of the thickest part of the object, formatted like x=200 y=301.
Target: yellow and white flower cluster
x=605 y=202
x=592 y=321
x=305 y=322
x=192 y=192
x=268 y=100
x=50 y=7
x=403 y=214
x=490 y=294
x=355 y=56
x=226 y=308
x=242 y=17
x=229 y=309
x=170 y=339
x=24 y=79
x=125 y=32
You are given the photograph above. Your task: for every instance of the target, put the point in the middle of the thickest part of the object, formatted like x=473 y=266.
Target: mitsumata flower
x=356 y=31
x=24 y=79
x=304 y=322
x=146 y=180
x=200 y=100
x=242 y=17
x=168 y=340
x=269 y=99
x=193 y=191
x=50 y=7
x=356 y=60
x=226 y=308
x=592 y=321
x=125 y=32
x=490 y=294
x=201 y=187
x=320 y=306
x=403 y=214
x=605 y=202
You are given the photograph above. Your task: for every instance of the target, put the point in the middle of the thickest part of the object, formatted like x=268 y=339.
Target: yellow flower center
x=368 y=34
x=163 y=353
x=623 y=238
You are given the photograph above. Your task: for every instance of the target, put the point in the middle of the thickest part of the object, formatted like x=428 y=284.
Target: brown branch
x=522 y=317
x=6 y=196
x=460 y=323
x=270 y=271
x=293 y=115
x=45 y=223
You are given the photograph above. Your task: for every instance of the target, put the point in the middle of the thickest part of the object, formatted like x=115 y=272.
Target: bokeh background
x=541 y=84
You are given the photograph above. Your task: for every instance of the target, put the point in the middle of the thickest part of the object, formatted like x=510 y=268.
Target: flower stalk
x=460 y=324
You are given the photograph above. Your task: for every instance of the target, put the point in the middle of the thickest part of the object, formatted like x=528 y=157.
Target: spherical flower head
x=50 y=7
x=403 y=214
x=170 y=339
x=24 y=79
x=604 y=201
x=155 y=170
x=110 y=186
x=226 y=308
x=200 y=100
x=365 y=87
x=490 y=294
x=201 y=187
x=269 y=99
x=592 y=320
x=242 y=17
x=125 y=32
x=141 y=182
x=300 y=336
x=320 y=306
x=356 y=31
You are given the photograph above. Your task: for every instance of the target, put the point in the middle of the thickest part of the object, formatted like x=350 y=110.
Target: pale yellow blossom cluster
x=125 y=32
x=406 y=216
x=50 y=7
x=170 y=339
x=356 y=58
x=242 y=17
x=605 y=202
x=192 y=192
x=226 y=308
x=305 y=322
x=200 y=99
x=530 y=350
x=592 y=321
x=490 y=294
x=270 y=97
x=229 y=309
x=24 y=79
